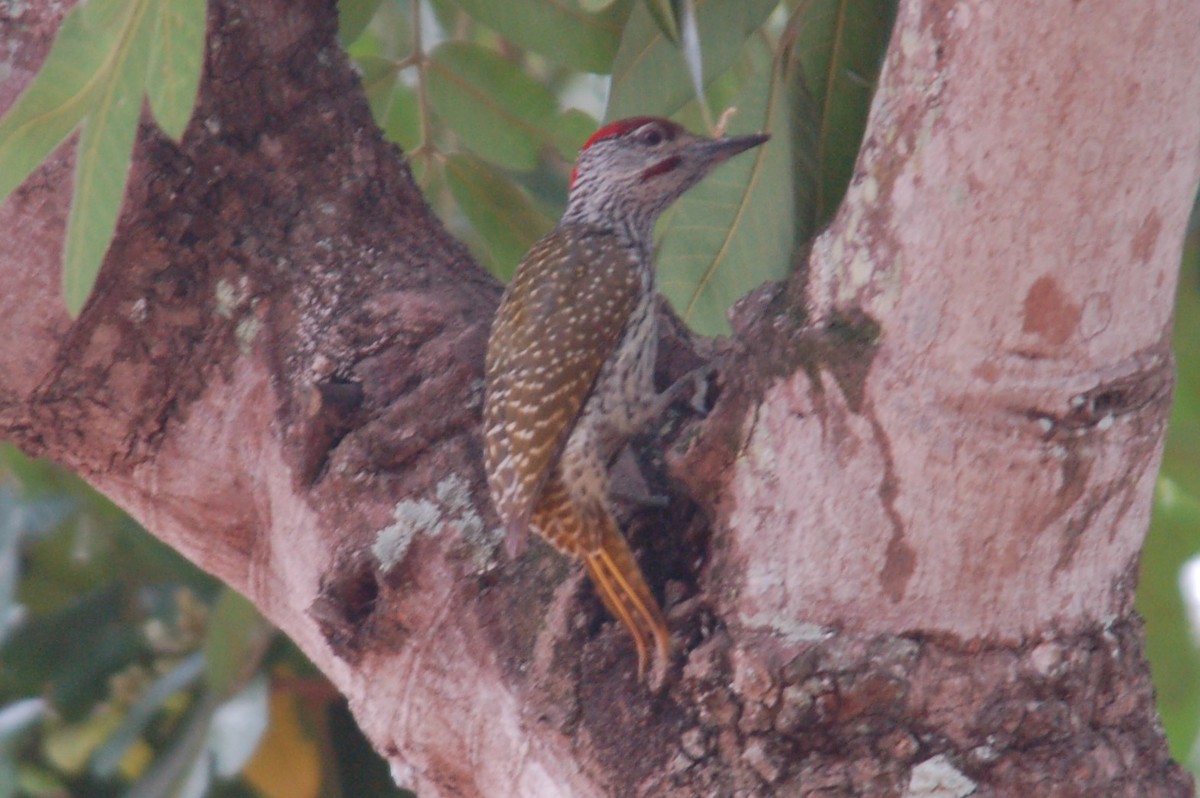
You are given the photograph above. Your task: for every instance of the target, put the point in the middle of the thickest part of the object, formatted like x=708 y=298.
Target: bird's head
x=634 y=168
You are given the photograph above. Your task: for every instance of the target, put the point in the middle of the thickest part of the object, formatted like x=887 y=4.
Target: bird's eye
x=651 y=137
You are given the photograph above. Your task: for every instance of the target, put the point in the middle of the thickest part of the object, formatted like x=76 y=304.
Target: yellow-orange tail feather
x=618 y=580
x=610 y=564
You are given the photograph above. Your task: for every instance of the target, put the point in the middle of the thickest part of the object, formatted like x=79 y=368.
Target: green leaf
x=236 y=640
x=838 y=49
x=393 y=104
x=663 y=12
x=389 y=33
x=503 y=215
x=395 y=108
x=650 y=75
x=104 y=153
x=184 y=764
x=66 y=655
x=494 y=106
x=1174 y=537
x=107 y=757
x=176 y=62
x=353 y=18
x=734 y=231
x=1181 y=457
x=60 y=94
x=379 y=77
x=68 y=746
x=570 y=130
x=21 y=519
x=557 y=29
x=1186 y=341
x=33 y=780
x=95 y=76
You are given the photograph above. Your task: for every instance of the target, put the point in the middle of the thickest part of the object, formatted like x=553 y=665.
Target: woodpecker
x=570 y=359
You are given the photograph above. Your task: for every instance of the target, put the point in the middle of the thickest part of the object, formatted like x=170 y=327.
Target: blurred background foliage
x=125 y=671
x=491 y=101
x=1169 y=582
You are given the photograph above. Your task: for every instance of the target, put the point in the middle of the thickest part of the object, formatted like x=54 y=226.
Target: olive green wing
x=561 y=318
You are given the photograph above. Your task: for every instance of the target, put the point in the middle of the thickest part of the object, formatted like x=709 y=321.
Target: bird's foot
x=697 y=381
x=655 y=501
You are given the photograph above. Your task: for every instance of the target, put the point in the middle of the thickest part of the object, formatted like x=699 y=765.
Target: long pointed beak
x=715 y=151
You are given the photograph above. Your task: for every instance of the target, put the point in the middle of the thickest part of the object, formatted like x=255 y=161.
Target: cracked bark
x=915 y=510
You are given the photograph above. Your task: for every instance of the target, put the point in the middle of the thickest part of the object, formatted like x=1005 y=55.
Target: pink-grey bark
x=900 y=550
x=1015 y=227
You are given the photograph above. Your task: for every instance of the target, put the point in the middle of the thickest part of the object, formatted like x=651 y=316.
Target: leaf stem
x=417 y=57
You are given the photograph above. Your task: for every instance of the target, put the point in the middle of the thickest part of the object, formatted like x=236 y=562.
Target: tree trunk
x=901 y=550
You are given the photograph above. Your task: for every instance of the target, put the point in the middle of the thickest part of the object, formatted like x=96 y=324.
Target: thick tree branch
x=1014 y=230
x=915 y=554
